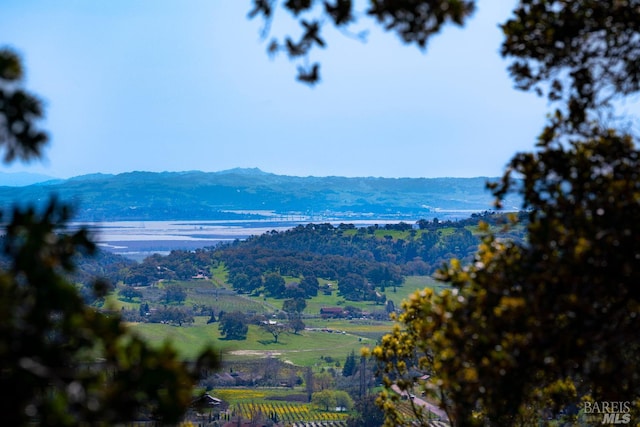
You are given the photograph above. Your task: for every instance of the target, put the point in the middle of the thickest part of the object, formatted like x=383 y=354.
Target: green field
x=324 y=337
x=303 y=349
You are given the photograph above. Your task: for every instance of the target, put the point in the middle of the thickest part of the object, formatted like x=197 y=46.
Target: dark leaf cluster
x=582 y=52
x=415 y=22
x=19 y=112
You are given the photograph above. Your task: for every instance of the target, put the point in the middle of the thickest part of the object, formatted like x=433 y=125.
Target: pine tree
x=349 y=365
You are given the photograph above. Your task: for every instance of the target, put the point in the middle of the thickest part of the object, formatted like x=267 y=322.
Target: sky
x=168 y=85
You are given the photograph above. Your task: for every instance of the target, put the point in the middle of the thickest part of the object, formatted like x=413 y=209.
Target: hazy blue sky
x=168 y=85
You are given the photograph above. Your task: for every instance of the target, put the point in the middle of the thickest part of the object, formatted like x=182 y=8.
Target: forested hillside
x=362 y=262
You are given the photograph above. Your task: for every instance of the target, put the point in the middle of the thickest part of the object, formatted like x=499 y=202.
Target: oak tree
x=549 y=321
x=539 y=324
x=233 y=325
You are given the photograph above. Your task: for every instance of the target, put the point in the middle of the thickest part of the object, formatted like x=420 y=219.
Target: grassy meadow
x=333 y=338
x=302 y=349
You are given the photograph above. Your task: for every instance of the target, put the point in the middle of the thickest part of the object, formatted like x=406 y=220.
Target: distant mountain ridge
x=247 y=193
x=20 y=179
